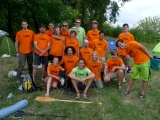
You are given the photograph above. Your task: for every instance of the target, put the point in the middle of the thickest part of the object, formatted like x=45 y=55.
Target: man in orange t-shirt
x=101 y=47
x=57 y=45
x=95 y=65
x=86 y=52
x=23 y=45
x=50 y=30
x=93 y=34
x=64 y=30
x=126 y=37
x=42 y=45
x=141 y=67
x=114 y=69
x=52 y=77
x=69 y=61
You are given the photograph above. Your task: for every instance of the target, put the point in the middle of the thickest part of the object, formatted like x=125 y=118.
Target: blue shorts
x=40 y=59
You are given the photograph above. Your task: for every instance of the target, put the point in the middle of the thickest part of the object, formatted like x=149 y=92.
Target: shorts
x=112 y=75
x=81 y=86
x=99 y=84
x=51 y=57
x=141 y=71
x=103 y=60
x=125 y=60
x=40 y=59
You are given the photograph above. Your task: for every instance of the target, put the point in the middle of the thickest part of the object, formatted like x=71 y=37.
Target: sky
x=136 y=10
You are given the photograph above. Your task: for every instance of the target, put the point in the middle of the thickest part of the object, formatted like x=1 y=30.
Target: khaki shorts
x=141 y=71
x=112 y=75
x=125 y=60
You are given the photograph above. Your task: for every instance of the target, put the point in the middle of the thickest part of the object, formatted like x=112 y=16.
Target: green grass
x=114 y=106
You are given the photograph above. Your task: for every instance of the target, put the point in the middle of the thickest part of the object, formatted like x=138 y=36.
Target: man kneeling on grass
x=53 y=71
x=81 y=78
x=141 y=67
x=114 y=69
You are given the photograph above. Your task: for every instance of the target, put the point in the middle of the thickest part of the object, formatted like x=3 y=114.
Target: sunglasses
x=64 y=25
x=77 y=22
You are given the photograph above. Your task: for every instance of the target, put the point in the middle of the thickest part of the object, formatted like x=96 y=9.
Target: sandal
x=126 y=92
x=141 y=96
x=85 y=96
x=78 y=95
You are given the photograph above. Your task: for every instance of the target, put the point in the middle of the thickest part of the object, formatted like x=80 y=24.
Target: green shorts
x=141 y=71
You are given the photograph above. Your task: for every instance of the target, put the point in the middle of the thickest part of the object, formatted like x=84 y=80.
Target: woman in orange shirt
x=57 y=45
x=95 y=65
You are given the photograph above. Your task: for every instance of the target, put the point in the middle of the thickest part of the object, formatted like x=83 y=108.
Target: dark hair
x=102 y=32
x=73 y=49
x=113 y=52
x=42 y=25
x=50 y=23
x=24 y=21
x=118 y=42
x=125 y=24
x=82 y=60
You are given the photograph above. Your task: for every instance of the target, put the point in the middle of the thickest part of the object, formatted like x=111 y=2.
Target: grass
x=114 y=106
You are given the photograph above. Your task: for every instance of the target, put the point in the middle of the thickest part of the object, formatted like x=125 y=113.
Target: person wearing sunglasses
x=81 y=32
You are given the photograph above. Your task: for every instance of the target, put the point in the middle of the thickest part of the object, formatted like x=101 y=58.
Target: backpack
x=28 y=84
x=154 y=63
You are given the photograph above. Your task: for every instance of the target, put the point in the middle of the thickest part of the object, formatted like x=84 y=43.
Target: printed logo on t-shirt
x=86 y=52
x=26 y=35
x=114 y=64
x=72 y=43
x=70 y=61
x=94 y=66
x=54 y=71
x=81 y=74
x=124 y=38
x=94 y=34
x=42 y=38
x=100 y=44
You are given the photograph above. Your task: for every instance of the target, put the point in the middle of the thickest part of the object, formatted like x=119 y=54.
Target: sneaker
x=126 y=92
x=124 y=80
x=141 y=97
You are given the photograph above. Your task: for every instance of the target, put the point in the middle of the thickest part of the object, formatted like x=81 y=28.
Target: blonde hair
x=55 y=30
x=94 y=52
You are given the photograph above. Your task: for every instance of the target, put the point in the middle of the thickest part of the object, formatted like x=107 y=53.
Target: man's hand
x=127 y=56
x=42 y=52
x=113 y=69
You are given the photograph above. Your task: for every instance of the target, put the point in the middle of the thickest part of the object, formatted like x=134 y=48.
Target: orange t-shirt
x=126 y=38
x=65 y=33
x=74 y=43
x=42 y=42
x=112 y=63
x=134 y=51
x=25 y=38
x=92 y=35
x=100 y=46
x=49 y=32
x=95 y=67
x=86 y=54
x=69 y=62
x=54 y=70
x=57 y=46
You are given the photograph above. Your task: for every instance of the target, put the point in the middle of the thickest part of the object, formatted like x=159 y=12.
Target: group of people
x=83 y=57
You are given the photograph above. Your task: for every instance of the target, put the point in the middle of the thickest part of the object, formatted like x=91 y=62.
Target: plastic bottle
x=9 y=96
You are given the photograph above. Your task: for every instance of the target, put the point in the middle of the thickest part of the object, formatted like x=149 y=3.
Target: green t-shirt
x=81 y=73
x=81 y=35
